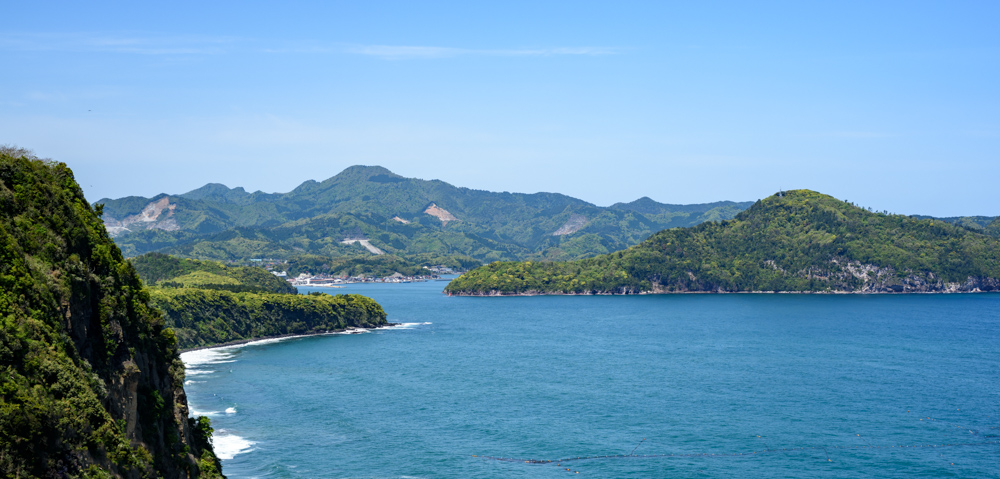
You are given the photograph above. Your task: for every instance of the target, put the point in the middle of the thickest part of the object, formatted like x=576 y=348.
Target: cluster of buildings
x=326 y=281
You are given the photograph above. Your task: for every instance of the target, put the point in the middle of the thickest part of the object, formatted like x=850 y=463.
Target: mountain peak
x=218 y=192
x=366 y=172
x=209 y=190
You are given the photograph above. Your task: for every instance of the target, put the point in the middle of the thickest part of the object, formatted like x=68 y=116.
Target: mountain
x=792 y=241
x=371 y=210
x=91 y=384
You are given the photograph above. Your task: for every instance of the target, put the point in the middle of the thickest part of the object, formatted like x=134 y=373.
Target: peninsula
x=793 y=241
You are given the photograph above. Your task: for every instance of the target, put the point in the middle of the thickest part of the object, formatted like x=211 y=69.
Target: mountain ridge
x=396 y=214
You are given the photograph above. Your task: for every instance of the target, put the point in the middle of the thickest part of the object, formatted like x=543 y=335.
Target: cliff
x=90 y=379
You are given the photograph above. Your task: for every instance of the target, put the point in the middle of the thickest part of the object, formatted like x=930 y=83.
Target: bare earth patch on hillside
x=440 y=213
x=574 y=224
x=364 y=243
x=148 y=218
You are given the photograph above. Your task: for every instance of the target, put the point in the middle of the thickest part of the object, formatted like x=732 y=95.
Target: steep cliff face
x=90 y=379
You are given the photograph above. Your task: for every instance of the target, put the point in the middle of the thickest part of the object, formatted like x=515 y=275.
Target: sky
x=890 y=105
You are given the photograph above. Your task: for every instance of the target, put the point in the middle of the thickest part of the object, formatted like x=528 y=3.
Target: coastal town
x=330 y=281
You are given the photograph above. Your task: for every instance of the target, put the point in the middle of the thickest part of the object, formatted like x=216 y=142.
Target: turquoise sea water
x=773 y=385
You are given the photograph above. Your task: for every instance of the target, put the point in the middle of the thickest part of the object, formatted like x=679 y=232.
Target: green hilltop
x=793 y=241
x=396 y=215
x=160 y=270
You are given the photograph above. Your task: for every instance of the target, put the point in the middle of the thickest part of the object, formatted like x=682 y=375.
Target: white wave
x=266 y=341
x=352 y=331
x=195 y=372
x=195 y=413
x=230 y=410
x=411 y=325
x=227 y=445
x=204 y=357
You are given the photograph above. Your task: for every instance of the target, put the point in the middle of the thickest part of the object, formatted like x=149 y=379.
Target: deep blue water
x=563 y=377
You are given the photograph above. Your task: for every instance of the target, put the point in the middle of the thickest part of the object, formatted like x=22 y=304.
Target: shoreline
x=281 y=337
x=649 y=293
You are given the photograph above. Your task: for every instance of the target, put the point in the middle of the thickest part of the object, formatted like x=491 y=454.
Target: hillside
x=91 y=382
x=165 y=271
x=989 y=225
x=792 y=241
x=397 y=215
x=207 y=303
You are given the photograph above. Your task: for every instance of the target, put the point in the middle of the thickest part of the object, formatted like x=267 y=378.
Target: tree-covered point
x=202 y=317
x=90 y=379
x=793 y=241
x=376 y=266
x=157 y=269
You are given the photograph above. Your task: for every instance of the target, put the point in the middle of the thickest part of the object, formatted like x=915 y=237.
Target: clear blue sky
x=893 y=105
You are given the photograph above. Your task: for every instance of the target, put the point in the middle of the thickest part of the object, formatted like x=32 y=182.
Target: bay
x=763 y=385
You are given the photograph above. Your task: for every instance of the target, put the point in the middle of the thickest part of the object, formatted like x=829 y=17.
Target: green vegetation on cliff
x=793 y=241
x=90 y=379
x=204 y=317
x=157 y=269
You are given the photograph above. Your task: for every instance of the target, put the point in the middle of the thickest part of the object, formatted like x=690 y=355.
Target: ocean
x=699 y=385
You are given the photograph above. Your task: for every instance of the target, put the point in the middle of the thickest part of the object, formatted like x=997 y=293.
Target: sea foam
x=228 y=445
x=411 y=325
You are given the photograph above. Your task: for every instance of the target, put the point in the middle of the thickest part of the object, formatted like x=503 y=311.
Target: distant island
x=793 y=241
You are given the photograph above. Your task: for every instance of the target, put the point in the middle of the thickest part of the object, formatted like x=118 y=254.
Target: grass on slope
x=161 y=270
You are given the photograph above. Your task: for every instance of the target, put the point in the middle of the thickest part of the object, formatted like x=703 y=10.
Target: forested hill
x=157 y=269
x=793 y=241
x=90 y=379
x=207 y=303
x=395 y=215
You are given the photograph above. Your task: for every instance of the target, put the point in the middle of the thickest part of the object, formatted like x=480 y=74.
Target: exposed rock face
x=368 y=246
x=574 y=224
x=156 y=215
x=874 y=279
x=440 y=213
